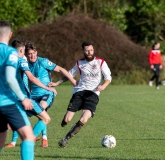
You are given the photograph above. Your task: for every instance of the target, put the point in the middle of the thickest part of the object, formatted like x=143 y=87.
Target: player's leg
x=3 y=129
x=90 y=100
x=14 y=140
x=86 y=114
x=75 y=104
x=41 y=127
x=2 y=139
x=157 y=75
x=67 y=118
x=46 y=102
x=18 y=120
x=28 y=139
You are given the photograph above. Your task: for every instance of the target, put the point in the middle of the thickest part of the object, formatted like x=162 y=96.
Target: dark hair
x=23 y=40
x=17 y=43
x=86 y=44
x=4 y=23
x=153 y=46
x=30 y=46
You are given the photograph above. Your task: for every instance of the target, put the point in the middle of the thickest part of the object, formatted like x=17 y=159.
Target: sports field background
x=135 y=115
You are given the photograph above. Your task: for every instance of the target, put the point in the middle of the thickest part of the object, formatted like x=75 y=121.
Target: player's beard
x=89 y=58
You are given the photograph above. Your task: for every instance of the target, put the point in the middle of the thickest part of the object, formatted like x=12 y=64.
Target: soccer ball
x=108 y=141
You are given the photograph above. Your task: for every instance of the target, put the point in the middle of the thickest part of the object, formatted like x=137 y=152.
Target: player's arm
x=37 y=82
x=66 y=74
x=107 y=77
x=54 y=84
x=13 y=84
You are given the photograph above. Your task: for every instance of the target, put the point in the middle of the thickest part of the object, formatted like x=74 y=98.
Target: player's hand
x=160 y=66
x=152 y=66
x=27 y=103
x=74 y=82
x=100 y=88
x=52 y=89
x=52 y=84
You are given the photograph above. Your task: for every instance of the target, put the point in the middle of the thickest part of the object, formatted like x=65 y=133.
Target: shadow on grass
x=94 y=158
x=147 y=139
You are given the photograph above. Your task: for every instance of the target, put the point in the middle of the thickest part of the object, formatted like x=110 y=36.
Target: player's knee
x=47 y=120
x=68 y=119
x=84 y=120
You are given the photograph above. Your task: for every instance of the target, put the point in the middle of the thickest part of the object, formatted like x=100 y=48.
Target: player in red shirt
x=155 y=60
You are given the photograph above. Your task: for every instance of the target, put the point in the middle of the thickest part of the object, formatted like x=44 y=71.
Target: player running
x=41 y=68
x=11 y=110
x=86 y=92
x=23 y=74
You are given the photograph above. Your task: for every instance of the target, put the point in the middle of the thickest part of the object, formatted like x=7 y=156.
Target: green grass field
x=135 y=115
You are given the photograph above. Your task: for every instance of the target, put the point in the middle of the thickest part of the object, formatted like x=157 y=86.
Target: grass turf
x=133 y=114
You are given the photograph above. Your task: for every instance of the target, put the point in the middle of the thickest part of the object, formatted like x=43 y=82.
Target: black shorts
x=83 y=100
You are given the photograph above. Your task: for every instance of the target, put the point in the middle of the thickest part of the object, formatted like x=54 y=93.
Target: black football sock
x=74 y=130
x=63 y=123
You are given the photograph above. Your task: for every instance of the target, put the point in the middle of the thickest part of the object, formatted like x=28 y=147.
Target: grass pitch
x=134 y=115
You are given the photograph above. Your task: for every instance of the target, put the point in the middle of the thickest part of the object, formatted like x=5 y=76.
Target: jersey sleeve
x=12 y=59
x=106 y=72
x=24 y=65
x=47 y=64
x=150 y=57
x=74 y=71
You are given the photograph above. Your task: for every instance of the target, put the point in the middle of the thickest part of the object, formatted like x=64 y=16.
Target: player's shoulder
x=10 y=51
x=99 y=59
x=42 y=59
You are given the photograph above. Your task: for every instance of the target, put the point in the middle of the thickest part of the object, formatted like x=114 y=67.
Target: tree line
x=143 y=20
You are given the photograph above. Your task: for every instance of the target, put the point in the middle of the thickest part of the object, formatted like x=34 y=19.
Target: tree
x=19 y=13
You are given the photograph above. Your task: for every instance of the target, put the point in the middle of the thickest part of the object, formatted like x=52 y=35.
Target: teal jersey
x=21 y=76
x=41 y=69
x=8 y=57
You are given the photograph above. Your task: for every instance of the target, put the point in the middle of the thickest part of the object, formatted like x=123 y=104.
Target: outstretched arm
x=66 y=74
x=54 y=84
x=37 y=82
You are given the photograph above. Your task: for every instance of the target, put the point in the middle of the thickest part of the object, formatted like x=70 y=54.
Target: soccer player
x=41 y=69
x=86 y=92
x=155 y=60
x=12 y=112
x=23 y=74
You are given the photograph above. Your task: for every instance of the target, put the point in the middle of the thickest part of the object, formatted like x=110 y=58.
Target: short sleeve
x=47 y=64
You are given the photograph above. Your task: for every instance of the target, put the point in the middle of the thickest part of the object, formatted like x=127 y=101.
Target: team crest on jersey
x=94 y=67
x=50 y=63
x=13 y=57
x=24 y=65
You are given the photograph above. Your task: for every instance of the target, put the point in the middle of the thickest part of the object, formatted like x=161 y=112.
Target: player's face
x=31 y=55
x=88 y=53
x=157 y=46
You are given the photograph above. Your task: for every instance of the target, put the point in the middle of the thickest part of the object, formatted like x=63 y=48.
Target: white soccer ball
x=108 y=141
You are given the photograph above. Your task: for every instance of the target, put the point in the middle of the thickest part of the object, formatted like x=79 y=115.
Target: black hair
x=17 y=43
x=86 y=44
x=153 y=46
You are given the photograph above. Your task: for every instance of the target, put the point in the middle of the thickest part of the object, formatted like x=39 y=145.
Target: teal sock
x=0 y=149
x=27 y=150
x=14 y=136
x=44 y=131
x=38 y=127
